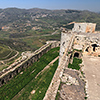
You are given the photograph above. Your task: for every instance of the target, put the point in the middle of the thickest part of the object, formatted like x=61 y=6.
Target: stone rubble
x=69 y=80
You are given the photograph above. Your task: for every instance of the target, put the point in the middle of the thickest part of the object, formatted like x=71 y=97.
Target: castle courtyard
x=92 y=72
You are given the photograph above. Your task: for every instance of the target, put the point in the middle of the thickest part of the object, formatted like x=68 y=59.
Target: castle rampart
x=14 y=70
x=72 y=44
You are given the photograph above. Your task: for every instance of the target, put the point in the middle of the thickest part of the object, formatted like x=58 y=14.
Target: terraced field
x=6 y=52
x=21 y=86
x=7 y=56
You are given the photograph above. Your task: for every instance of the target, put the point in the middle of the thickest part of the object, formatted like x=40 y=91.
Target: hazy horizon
x=90 y=5
x=49 y=9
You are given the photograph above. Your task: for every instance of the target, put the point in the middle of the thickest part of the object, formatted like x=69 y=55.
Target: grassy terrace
x=4 y=51
x=75 y=64
x=13 y=53
x=19 y=87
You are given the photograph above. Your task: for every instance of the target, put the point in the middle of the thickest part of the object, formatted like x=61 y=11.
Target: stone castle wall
x=84 y=27
x=71 y=42
x=66 y=43
x=5 y=77
x=65 y=46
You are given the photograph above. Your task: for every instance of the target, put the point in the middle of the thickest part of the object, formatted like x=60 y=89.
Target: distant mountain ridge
x=9 y=16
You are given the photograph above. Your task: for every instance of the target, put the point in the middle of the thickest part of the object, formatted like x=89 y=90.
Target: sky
x=92 y=5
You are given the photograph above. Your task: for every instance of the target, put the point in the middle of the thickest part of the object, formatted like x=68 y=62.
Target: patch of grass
x=7 y=63
x=85 y=97
x=34 y=42
x=41 y=83
x=58 y=94
x=3 y=67
x=98 y=55
x=75 y=64
x=45 y=31
x=26 y=82
x=68 y=52
x=13 y=53
x=82 y=73
x=4 y=51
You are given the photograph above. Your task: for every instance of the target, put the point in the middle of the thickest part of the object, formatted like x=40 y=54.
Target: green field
x=13 y=53
x=75 y=64
x=36 y=42
x=4 y=51
x=30 y=40
x=19 y=87
x=8 y=62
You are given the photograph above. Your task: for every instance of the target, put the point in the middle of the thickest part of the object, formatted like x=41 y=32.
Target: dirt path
x=12 y=57
x=9 y=53
x=92 y=73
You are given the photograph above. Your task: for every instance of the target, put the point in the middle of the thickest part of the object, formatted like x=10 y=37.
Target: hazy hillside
x=29 y=29
x=11 y=16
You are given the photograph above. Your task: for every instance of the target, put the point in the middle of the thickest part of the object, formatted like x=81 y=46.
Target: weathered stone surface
x=74 y=88
x=69 y=80
x=78 y=47
x=92 y=74
x=33 y=91
x=66 y=43
x=84 y=27
x=64 y=60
